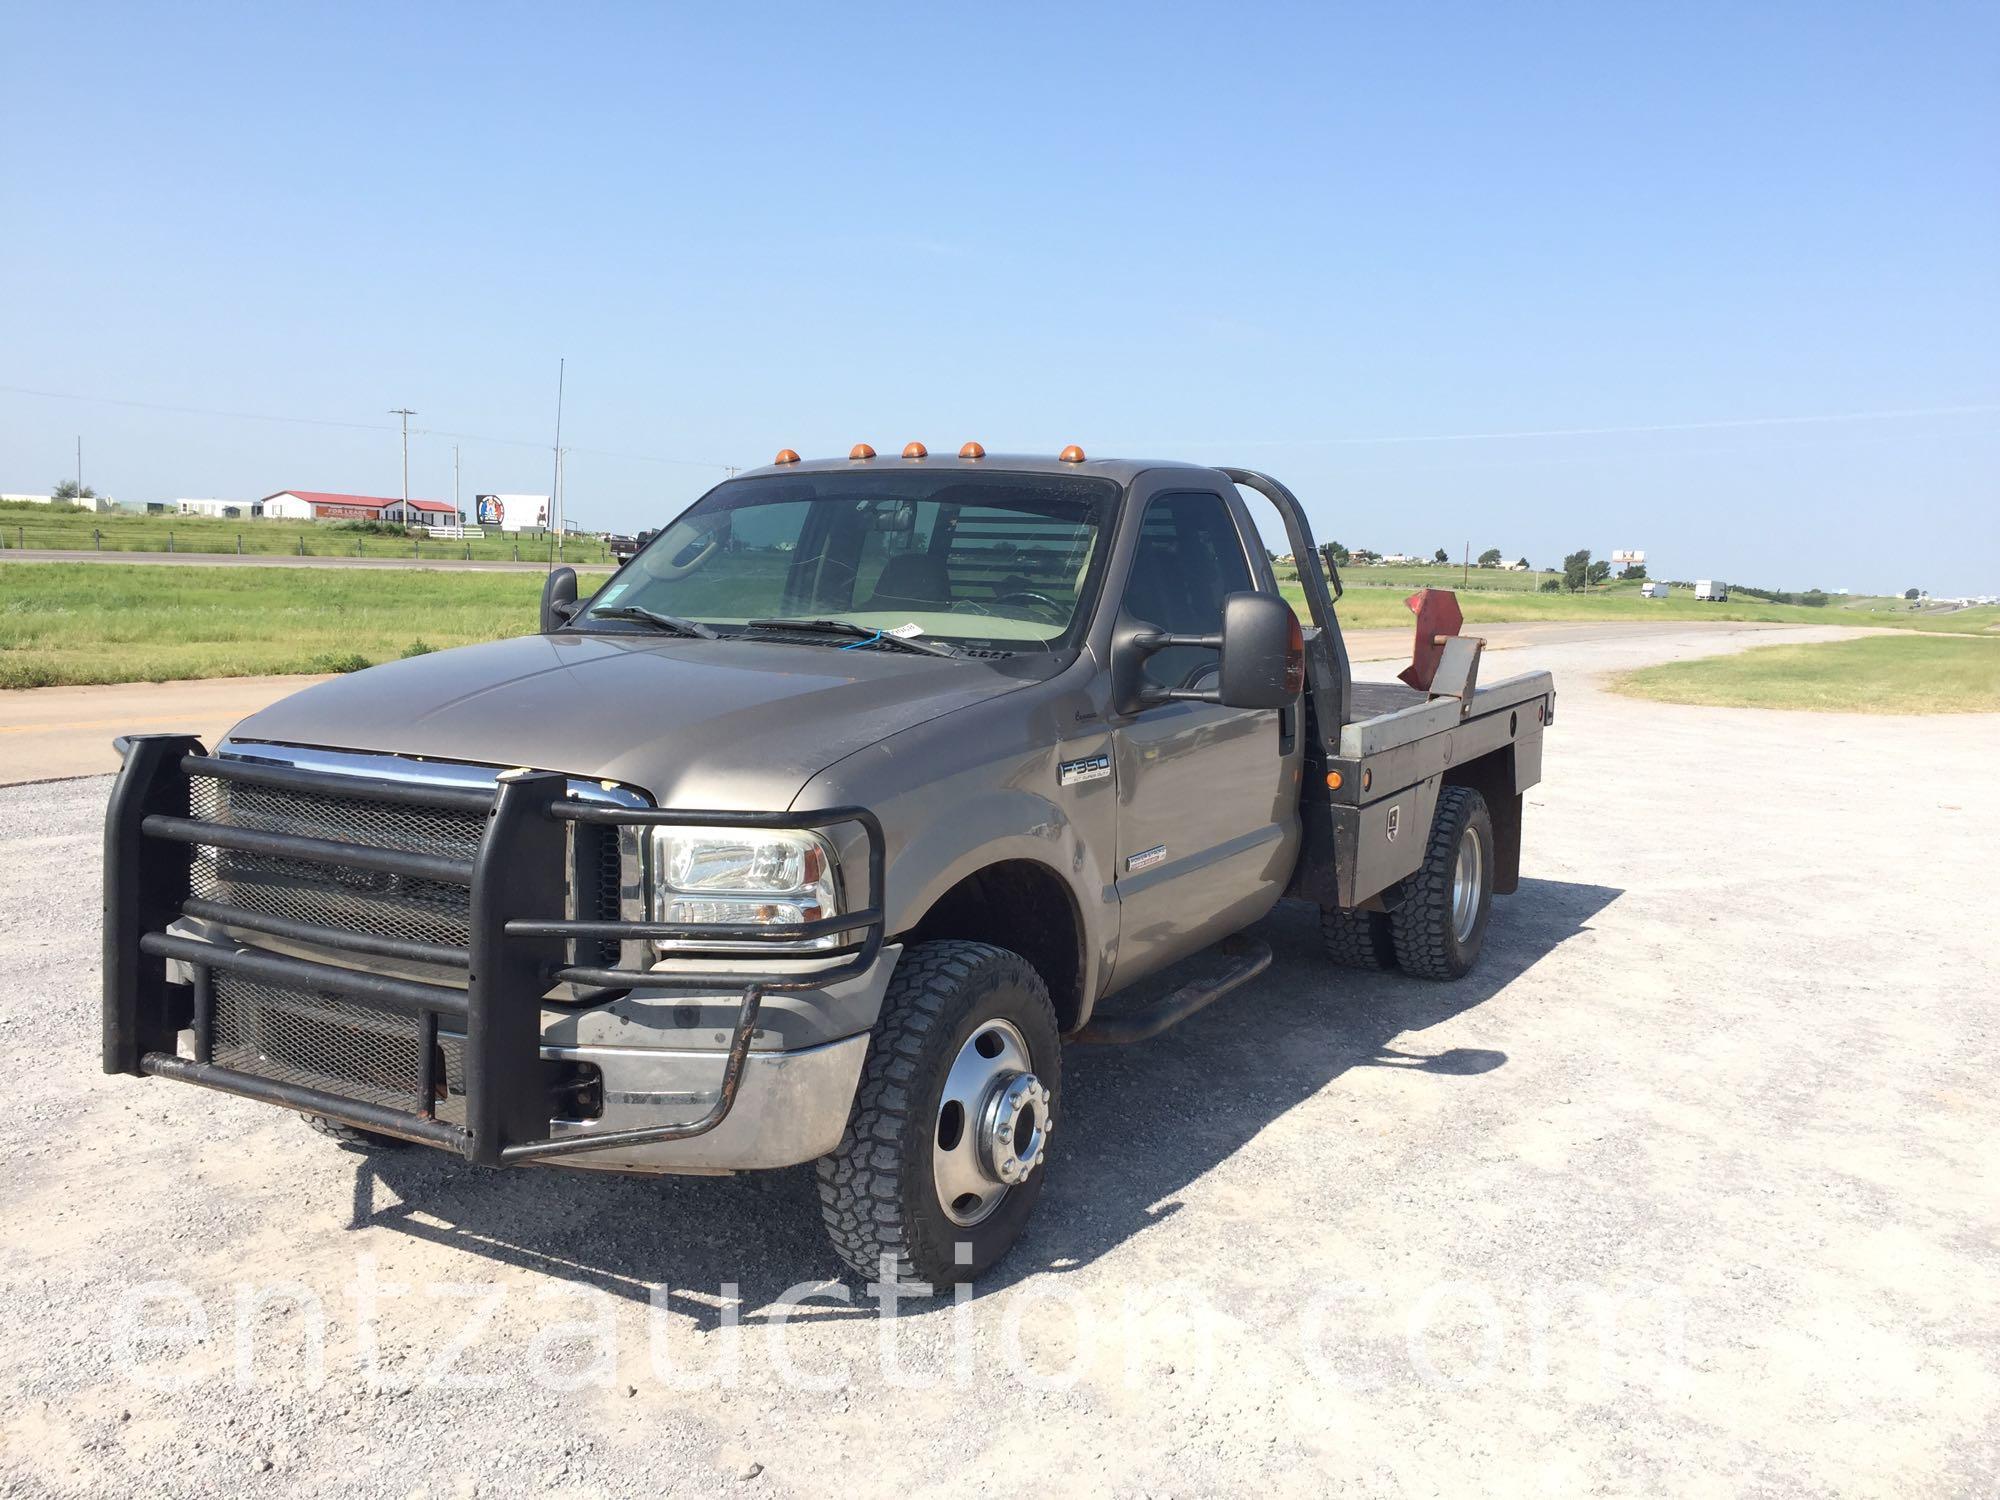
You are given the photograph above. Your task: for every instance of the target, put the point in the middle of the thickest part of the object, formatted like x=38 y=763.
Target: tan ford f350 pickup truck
x=812 y=837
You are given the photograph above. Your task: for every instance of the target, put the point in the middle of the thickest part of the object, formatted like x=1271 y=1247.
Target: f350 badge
x=1086 y=768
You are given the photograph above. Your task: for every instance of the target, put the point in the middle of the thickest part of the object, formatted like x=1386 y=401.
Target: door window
x=1189 y=559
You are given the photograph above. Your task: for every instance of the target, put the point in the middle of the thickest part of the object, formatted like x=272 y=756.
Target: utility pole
x=79 y=468
x=405 y=413
x=1465 y=566
x=454 y=483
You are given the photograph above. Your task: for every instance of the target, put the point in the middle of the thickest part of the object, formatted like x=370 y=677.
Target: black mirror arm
x=1150 y=641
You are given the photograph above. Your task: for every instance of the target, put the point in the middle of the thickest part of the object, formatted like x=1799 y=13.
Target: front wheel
x=941 y=1163
x=1441 y=924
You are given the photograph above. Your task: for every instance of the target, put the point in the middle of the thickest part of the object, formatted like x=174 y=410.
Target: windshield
x=999 y=561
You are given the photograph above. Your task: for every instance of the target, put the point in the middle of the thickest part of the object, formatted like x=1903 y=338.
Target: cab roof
x=1122 y=470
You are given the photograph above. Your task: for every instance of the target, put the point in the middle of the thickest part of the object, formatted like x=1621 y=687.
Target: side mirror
x=558 y=599
x=1263 y=652
x=1262 y=665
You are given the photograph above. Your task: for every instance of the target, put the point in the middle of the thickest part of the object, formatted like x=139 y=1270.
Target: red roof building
x=324 y=505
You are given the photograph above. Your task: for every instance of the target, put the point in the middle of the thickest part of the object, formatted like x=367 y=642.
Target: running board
x=1244 y=959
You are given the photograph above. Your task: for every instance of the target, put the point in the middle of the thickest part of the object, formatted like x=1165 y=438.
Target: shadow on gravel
x=1139 y=1124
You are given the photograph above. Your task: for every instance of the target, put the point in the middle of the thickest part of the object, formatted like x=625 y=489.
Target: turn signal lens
x=1071 y=455
x=861 y=450
x=972 y=450
x=1333 y=779
x=785 y=456
x=915 y=450
x=1295 y=667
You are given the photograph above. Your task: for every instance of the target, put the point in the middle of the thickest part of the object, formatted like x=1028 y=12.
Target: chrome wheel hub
x=992 y=1125
x=1015 y=1131
x=1467 y=875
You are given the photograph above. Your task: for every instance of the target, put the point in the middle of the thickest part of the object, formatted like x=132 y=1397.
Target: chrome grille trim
x=607 y=865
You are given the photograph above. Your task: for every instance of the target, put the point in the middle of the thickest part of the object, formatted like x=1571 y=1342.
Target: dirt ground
x=1690 y=1189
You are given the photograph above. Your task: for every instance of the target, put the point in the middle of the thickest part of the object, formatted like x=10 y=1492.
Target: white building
x=98 y=503
x=230 y=510
x=286 y=507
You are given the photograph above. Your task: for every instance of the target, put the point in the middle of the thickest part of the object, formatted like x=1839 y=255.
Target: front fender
x=950 y=821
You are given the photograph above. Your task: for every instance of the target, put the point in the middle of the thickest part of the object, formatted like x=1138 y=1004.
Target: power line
x=258 y=416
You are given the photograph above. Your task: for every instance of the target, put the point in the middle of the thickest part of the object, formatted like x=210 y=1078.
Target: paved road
x=48 y=733
x=1690 y=1189
x=248 y=560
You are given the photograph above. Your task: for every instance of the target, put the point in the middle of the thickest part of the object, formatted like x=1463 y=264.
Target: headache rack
x=370 y=1049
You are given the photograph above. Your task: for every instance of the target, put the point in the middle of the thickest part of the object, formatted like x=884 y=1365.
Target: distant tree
x=1441 y=556
x=1552 y=585
x=1523 y=563
x=1815 y=597
x=66 y=489
x=1364 y=555
x=1635 y=573
x=1336 y=555
x=1595 y=573
x=1576 y=570
x=1490 y=558
x=1912 y=593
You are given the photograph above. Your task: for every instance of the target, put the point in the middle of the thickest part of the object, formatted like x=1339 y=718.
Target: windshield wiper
x=672 y=624
x=858 y=632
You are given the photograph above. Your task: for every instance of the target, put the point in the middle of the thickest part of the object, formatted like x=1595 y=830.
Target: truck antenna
x=555 y=482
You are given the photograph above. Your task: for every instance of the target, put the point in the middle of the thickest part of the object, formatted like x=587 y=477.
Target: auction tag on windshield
x=906 y=631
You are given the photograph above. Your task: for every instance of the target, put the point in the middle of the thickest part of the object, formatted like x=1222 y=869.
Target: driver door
x=1206 y=822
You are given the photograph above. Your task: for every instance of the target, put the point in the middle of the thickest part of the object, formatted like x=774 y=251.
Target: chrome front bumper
x=791 y=1106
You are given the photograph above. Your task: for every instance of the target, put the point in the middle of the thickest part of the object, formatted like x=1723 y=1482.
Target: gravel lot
x=1689 y=1189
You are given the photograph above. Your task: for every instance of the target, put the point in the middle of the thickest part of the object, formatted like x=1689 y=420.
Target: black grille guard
x=516 y=952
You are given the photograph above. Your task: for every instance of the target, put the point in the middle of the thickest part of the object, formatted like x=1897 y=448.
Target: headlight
x=755 y=877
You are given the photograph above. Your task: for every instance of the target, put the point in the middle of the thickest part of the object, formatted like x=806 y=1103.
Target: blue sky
x=1365 y=248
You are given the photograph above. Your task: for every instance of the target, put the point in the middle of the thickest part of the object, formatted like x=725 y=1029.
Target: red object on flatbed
x=1438 y=617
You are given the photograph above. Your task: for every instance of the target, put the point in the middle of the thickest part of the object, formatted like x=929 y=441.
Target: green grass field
x=48 y=528
x=1367 y=605
x=88 y=622
x=1928 y=674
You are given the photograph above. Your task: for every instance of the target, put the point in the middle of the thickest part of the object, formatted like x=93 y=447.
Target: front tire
x=1441 y=924
x=941 y=1163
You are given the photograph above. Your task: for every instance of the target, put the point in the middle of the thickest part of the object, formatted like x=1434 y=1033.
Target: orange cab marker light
x=972 y=450
x=915 y=450
x=861 y=450
x=785 y=456
x=1071 y=455
x=1333 y=781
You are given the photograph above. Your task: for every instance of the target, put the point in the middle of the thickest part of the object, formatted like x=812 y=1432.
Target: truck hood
x=725 y=724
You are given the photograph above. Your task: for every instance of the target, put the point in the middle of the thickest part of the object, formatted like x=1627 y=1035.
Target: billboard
x=1625 y=557
x=512 y=512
